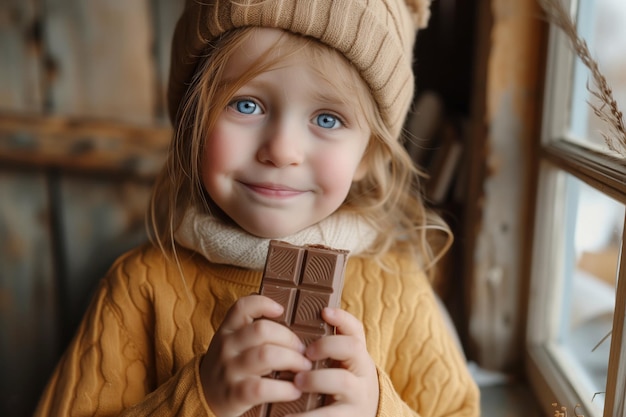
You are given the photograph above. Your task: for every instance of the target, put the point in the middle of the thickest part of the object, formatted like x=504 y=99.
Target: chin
x=271 y=234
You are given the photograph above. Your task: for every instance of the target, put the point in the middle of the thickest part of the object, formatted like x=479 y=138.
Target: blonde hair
x=386 y=198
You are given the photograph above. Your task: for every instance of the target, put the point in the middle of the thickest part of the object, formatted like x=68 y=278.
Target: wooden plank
x=594 y=168
x=102 y=55
x=616 y=378
x=499 y=204
x=28 y=321
x=166 y=14
x=20 y=69
x=84 y=145
x=100 y=219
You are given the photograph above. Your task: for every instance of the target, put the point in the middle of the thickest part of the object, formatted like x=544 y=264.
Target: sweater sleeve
x=391 y=404
x=108 y=370
x=421 y=370
x=429 y=376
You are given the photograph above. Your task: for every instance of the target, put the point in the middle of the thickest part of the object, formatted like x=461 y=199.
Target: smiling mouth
x=272 y=190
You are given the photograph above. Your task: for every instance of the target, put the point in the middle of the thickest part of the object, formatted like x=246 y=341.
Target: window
x=576 y=333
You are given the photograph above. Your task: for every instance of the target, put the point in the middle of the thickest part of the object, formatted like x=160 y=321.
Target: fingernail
x=309 y=351
x=297 y=380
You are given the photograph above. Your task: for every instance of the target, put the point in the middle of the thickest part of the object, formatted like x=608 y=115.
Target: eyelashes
x=246 y=106
x=328 y=121
x=251 y=107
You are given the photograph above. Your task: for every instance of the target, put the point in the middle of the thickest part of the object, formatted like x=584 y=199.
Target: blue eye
x=328 y=121
x=247 y=107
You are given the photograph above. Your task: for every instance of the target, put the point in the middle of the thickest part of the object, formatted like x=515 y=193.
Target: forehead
x=260 y=46
x=267 y=49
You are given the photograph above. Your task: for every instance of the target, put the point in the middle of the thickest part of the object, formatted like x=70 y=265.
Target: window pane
x=601 y=24
x=592 y=248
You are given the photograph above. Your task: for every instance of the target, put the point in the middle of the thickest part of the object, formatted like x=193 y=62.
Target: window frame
x=551 y=383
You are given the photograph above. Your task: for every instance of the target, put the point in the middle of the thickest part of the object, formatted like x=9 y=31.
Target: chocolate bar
x=304 y=280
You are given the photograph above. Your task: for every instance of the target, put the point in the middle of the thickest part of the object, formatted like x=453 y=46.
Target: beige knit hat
x=377 y=36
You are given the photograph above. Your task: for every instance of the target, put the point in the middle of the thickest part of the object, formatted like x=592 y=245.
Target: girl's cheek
x=337 y=173
x=221 y=148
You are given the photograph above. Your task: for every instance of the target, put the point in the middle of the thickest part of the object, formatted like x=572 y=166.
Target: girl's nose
x=282 y=146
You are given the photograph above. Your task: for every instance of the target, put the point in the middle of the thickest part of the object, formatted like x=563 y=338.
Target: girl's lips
x=272 y=190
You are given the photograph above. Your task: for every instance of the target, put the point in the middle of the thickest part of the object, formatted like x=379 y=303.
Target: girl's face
x=286 y=149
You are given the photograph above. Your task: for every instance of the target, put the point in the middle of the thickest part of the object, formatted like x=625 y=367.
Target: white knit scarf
x=228 y=244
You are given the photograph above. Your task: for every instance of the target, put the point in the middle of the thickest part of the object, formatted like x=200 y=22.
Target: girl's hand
x=354 y=385
x=245 y=349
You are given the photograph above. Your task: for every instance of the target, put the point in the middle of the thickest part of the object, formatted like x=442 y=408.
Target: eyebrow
x=330 y=99
x=348 y=107
x=327 y=97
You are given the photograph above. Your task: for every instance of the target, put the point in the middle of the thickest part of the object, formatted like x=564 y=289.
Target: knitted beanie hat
x=376 y=36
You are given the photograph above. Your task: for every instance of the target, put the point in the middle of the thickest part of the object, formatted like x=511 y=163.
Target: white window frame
x=553 y=382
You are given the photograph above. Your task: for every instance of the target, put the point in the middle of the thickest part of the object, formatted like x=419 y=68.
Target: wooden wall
x=83 y=130
x=499 y=204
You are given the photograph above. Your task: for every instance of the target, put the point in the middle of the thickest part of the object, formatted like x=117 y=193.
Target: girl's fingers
x=336 y=382
x=261 y=360
x=258 y=390
x=247 y=309
x=345 y=322
x=353 y=386
x=346 y=349
x=262 y=332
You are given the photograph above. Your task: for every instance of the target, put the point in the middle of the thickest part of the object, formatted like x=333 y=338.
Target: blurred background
x=83 y=130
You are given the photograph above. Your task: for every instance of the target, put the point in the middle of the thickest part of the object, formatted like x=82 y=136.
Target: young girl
x=287 y=120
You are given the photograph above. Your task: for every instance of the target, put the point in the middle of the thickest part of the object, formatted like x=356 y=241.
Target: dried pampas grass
x=607 y=109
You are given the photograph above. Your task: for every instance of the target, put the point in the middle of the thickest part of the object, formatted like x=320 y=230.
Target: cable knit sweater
x=138 y=348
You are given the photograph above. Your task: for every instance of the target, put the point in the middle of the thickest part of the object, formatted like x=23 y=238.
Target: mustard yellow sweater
x=138 y=348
